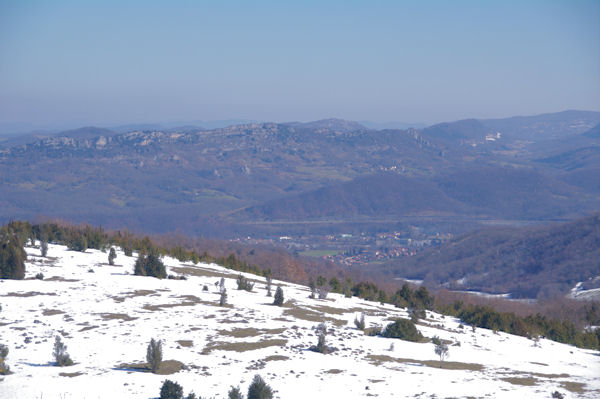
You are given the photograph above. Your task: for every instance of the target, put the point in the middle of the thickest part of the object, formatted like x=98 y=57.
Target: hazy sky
x=73 y=63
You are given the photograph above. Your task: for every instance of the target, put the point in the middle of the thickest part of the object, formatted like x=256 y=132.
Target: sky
x=75 y=63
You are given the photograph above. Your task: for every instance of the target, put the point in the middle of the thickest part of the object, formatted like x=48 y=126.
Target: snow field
x=106 y=318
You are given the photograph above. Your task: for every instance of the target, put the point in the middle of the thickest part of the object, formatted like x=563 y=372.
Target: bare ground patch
x=519 y=373
x=29 y=294
x=539 y=364
x=242 y=346
x=51 y=312
x=199 y=272
x=116 y=316
x=185 y=343
x=167 y=367
x=133 y=294
x=275 y=358
x=525 y=381
x=380 y=359
x=62 y=279
x=188 y=300
x=87 y=328
x=250 y=332
x=575 y=387
x=339 y=311
x=334 y=371
x=310 y=315
x=71 y=375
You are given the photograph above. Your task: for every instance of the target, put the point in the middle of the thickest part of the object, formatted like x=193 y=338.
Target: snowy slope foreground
x=107 y=317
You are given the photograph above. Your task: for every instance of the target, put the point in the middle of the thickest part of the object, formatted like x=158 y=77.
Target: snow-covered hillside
x=107 y=316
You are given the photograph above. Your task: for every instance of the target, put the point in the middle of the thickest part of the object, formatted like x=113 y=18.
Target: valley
x=361 y=198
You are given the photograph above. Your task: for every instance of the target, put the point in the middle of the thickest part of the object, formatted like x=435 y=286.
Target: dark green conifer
x=171 y=390
x=278 y=296
x=12 y=256
x=259 y=389
x=112 y=255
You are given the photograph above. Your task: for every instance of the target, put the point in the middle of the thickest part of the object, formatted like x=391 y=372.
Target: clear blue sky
x=72 y=63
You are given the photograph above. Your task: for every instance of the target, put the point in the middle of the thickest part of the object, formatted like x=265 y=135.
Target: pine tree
x=4 y=369
x=321 y=281
x=12 y=256
x=60 y=355
x=235 y=393
x=278 y=296
x=171 y=390
x=223 y=298
x=44 y=248
x=127 y=250
x=112 y=254
x=360 y=323
x=78 y=242
x=321 y=345
x=403 y=329
x=259 y=389
x=243 y=283
x=154 y=355
x=150 y=265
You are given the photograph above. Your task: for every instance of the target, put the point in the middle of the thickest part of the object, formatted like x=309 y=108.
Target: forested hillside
x=525 y=262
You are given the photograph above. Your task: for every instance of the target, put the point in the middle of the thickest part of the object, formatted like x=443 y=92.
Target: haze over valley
x=299 y=199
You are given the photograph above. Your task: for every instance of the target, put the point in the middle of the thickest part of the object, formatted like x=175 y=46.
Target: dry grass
x=51 y=312
x=242 y=346
x=539 y=364
x=199 y=272
x=87 y=328
x=334 y=371
x=380 y=359
x=133 y=294
x=167 y=367
x=551 y=376
x=159 y=307
x=188 y=300
x=250 y=332
x=519 y=373
x=62 y=279
x=525 y=381
x=116 y=316
x=71 y=375
x=29 y=294
x=576 y=387
x=186 y=343
x=310 y=315
x=339 y=311
x=275 y=358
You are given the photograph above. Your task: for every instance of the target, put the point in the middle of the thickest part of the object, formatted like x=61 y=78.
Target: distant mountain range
x=235 y=180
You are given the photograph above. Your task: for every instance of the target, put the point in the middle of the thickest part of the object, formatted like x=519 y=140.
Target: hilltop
x=107 y=316
x=197 y=180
